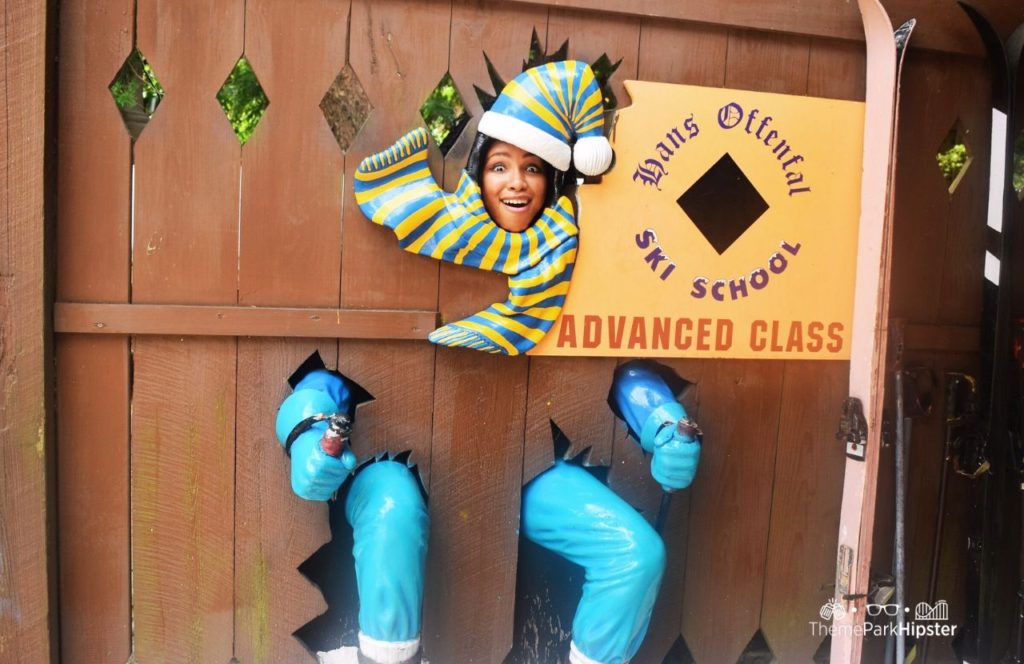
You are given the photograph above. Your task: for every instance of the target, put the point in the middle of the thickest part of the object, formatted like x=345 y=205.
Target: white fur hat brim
x=527 y=137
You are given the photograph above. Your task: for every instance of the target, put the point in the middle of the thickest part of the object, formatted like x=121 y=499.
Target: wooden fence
x=178 y=537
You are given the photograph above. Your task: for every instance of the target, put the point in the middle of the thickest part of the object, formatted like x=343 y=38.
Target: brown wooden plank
x=27 y=623
x=967 y=89
x=399 y=60
x=730 y=503
x=275 y=531
x=183 y=410
x=923 y=204
x=767 y=62
x=807 y=493
x=572 y=393
x=94 y=168
x=93 y=254
x=183 y=499
x=805 y=504
x=942 y=27
x=290 y=234
x=292 y=165
x=185 y=320
x=93 y=474
x=476 y=475
x=400 y=376
x=185 y=241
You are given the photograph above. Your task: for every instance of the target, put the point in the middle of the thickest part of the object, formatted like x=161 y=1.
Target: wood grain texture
x=93 y=253
x=968 y=85
x=186 y=241
x=572 y=393
x=930 y=219
x=183 y=409
x=476 y=475
x=93 y=492
x=183 y=463
x=399 y=51
x=292 y=167
x=805 y=503
x=27 y=622
x=942 y=26
x=94 y=164
x=590 y=35
x=400 y=376
x=232 y=321
x=730 y=506
x=275 y=531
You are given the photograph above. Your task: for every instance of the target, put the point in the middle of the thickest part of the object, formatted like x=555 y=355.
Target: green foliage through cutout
x=445 y=113
x=243 y=100
x=953 y=157
x=136 y=91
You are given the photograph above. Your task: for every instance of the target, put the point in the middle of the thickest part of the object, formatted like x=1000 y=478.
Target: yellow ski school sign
x=727 y=228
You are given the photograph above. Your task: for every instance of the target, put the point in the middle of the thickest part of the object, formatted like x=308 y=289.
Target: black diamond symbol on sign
x=723 y=204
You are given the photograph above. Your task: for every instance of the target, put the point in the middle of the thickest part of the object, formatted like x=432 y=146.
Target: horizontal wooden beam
x=911 y=337
x=237 y=321
x=942 y=26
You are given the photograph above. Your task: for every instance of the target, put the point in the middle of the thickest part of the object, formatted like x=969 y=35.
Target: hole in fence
x=137 y=92
x=723 y=204
x=954 y=156
x=824 y=652
x=444 y=111
x=757 y=651
x=1018 y=165
x=679 y=653
x=345 y=107
x=242 y=99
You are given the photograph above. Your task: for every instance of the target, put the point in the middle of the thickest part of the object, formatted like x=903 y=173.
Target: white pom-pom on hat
x=592 y=155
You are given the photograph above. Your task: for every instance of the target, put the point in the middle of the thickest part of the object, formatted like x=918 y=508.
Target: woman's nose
x=517 y=179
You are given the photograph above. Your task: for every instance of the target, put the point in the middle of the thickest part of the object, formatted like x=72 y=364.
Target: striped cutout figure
x=394 y=188
x=555 y=112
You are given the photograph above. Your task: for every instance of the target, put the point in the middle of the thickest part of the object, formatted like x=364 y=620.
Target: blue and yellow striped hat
x=545 y=109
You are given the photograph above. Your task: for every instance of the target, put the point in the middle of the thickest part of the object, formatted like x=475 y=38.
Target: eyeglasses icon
x=879 y=609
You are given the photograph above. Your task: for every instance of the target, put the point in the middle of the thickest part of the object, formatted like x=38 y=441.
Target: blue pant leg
x=567 y=510
x=390 y=528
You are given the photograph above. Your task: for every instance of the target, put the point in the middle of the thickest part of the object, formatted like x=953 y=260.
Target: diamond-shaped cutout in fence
x=679 y=653
x=1018 y=165
x=445 y=113
x=243 y=100
x=954 y=156
x=757 y=651
x=345 y=107
x=137 y=92
x=723 y=204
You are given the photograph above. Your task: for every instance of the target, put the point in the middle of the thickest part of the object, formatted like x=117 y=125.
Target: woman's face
x=514 y=186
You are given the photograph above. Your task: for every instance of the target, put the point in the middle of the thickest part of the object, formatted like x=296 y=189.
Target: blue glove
x=316 y=475
x=659 y=423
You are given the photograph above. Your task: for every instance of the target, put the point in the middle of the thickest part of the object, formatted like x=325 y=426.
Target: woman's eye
x=497 y=168
x=533 y=169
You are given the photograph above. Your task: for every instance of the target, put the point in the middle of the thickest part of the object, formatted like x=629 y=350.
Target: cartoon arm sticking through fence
x=385 y=507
